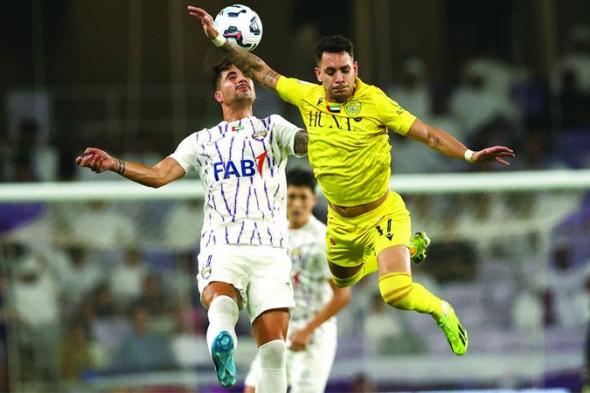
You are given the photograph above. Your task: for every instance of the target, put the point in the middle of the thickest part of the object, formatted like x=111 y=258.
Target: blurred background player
x=243 y=260
x=368 y=226
x=312 y=332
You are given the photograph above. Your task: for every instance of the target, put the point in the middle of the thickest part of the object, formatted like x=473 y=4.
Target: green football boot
x=451 y=326
x=419 y=243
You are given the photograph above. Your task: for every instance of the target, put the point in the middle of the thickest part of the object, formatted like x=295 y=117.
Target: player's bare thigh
x=219 y=288
x=271 y=325
x=394 y=259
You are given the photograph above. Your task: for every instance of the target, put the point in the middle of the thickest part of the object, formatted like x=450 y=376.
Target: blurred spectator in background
x=410 y=157
x=127 y=277
x=106 y=324
x=153 y=299
x=412 y=91
x=477 y=100
x=78 y=277
x=30 y=159
x=182 y=226
x=186 y=345
x=75 y=353
x=98 y=226
x=141 y=148
x=573 y=101
x=143 y=350
x=576 y=59
x=180 y=282
x=528 y=311
x=35 y=308
x=566 y=282
x=381 y=330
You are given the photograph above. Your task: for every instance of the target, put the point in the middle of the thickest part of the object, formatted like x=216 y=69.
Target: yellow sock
x=398 y=290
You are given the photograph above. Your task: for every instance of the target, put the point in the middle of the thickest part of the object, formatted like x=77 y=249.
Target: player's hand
x=299 y=340
x=97 y=160
x=206 y=20
x=495 y=153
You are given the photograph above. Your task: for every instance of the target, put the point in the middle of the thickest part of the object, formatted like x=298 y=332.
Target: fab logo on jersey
x=242 y=168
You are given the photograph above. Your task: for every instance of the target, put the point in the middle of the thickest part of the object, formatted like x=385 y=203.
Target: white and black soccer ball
x=240 y=24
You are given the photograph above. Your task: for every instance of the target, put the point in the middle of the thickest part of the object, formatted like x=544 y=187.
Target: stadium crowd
x=78 y=300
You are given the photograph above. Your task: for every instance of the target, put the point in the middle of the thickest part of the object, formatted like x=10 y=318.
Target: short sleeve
x=292 y=90
x=186 y=153
x=392 y=114
x=285 y=133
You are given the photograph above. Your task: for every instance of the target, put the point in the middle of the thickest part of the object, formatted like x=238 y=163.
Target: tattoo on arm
x=270 y=79
x=300 y=144
x=251 y=65
x=436 y=143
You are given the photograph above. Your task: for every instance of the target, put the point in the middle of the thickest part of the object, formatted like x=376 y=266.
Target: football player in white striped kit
x=243 y=260
x=312 y=330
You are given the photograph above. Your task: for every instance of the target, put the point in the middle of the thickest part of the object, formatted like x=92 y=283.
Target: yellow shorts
x=354 y=241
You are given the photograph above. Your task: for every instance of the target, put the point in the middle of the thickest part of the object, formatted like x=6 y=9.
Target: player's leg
x=391 y=241
x=270 y=331
x=270 y=297
x=222 y=279
x=347 y=259
x=399 y=291
x=221 y=300
x=348 y=256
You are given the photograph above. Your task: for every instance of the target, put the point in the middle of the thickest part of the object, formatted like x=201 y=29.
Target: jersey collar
x=336 y=107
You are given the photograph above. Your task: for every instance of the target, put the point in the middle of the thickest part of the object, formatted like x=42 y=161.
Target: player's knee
x=273 y=354
x=395 y=289
x=345 y=276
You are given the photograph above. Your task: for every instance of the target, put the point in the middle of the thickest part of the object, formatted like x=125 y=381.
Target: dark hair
x=215 y=63
x=217 y=70
x=301 y=178
x=333 y=44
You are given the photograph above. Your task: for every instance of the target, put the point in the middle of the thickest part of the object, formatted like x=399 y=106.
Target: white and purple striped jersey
x=242 y=168
x=310 y=274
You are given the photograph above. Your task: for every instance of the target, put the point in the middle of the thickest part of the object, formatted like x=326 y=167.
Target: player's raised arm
x=445 y=143
x=155 y=176
x=250 y=64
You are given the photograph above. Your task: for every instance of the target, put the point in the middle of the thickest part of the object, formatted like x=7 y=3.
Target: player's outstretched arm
x=442 y=141
x=340 y=298
x=155 y=176
x=250 y=64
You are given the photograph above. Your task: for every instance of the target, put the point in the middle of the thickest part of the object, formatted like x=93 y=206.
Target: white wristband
x=469 y=156
x=219 y=40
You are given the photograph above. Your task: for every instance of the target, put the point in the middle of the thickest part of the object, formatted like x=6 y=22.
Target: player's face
x=337 y=72
x=235 y=87
x=300 y=202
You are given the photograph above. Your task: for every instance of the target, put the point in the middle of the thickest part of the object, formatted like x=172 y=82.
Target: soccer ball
x=240 y=24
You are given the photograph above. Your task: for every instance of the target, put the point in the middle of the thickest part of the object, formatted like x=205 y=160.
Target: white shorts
x=307 y=371
x=260 y=273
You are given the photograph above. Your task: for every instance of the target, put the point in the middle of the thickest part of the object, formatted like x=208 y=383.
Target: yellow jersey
x=348 y=146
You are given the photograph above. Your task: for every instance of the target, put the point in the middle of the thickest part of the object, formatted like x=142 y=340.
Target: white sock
x=223 y=315
x=273 y=374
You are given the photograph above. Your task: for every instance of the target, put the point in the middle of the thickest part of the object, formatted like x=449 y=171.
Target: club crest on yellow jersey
x=353 y=108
